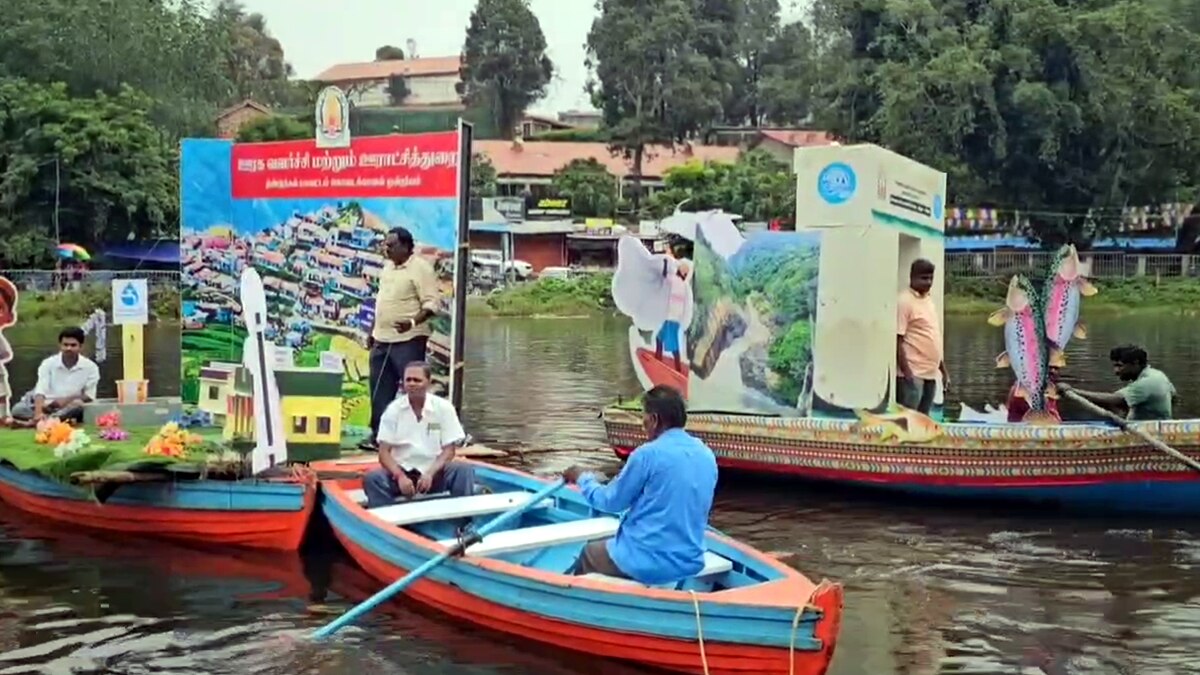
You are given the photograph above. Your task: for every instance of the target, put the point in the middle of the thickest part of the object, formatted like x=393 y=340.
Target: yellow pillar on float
x=131 y=311
x=133 y=351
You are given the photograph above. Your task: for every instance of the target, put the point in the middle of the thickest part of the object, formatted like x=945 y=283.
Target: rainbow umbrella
x=73 y=251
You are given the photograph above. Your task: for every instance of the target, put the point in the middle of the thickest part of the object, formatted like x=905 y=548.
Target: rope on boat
x=791 y=642
x=699 y=630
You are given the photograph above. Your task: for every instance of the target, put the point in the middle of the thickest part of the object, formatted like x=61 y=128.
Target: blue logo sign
x=129 y=296
x=938 y=207
x=837 y=183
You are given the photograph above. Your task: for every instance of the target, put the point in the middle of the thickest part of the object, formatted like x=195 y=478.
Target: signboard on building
x=130 y=302
x=512 y=209
x=548 y=208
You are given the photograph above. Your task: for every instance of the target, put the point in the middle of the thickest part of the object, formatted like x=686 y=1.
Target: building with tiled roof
x=521 y=165
x=431 y=82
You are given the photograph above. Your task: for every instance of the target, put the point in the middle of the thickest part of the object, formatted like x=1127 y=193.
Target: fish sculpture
x=905 y=425
x=1026 y=349
x=1064 y=291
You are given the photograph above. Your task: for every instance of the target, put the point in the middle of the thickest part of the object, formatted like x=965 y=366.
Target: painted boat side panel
x=251 y=514
x=1131 y=493
x=200 y=494
x=678 y=655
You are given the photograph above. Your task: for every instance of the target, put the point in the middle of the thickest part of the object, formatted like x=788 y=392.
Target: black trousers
x=388 y=360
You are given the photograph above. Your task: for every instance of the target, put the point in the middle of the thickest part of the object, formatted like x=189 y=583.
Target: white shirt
x=416 y=444
x=56 y=380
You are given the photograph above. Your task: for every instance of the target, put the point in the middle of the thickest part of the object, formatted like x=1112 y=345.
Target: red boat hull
x=213 y=522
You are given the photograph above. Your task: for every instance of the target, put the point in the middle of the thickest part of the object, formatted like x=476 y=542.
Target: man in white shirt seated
x=65 y=382
x=418 y=434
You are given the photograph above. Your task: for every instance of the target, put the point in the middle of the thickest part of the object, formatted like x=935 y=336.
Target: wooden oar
x=1120 y=422
x=458 y=548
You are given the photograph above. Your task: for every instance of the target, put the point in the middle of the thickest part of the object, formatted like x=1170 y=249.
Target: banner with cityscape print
x=312 y=222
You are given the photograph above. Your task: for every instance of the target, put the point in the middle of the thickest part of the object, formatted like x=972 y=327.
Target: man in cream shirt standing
x=417 y=439
x=406 y=301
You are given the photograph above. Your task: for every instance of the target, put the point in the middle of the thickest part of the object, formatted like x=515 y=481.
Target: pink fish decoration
x=1026 y=349
x=1065 y=289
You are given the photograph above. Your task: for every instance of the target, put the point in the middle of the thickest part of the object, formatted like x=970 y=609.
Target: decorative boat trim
x=966 y=453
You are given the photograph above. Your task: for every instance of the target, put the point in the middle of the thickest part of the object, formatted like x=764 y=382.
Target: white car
x=522 y=269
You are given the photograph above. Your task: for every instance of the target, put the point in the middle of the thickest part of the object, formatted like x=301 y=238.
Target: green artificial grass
x=19 y=449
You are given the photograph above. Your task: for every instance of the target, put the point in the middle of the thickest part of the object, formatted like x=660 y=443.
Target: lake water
x=930 y=589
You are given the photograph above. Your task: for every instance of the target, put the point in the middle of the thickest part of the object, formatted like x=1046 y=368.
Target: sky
x=325 y=33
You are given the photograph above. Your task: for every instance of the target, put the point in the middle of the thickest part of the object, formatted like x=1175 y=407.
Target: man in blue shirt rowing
x=667 y=486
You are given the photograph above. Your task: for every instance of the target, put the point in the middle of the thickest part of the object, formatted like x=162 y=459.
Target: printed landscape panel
x=739 y=315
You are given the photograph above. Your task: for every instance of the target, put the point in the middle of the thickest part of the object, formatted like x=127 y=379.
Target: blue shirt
x=667 y=485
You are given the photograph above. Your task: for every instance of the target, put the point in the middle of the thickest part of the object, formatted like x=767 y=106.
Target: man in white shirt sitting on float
x=418 y=434
x=65 y=382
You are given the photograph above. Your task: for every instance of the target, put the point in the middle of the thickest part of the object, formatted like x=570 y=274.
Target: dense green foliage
x=757 y=186
x=555 y=297
x=1049 y=107
x=65 y=160
x=589 y=185
x=504 y=62
x=94 y=98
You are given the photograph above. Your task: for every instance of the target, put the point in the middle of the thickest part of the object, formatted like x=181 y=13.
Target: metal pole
x=462 y=263
x=57 y=186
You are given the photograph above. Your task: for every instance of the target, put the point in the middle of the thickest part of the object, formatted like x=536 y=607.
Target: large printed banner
x=312 y=222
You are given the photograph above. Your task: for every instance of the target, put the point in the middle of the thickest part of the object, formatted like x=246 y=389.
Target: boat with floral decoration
x=167 y=482
x=785 y=345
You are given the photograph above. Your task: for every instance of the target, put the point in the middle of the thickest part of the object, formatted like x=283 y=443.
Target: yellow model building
x=311 y=402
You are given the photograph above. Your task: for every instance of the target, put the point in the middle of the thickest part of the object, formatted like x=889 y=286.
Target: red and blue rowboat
x=266 y=514
x=746 y=612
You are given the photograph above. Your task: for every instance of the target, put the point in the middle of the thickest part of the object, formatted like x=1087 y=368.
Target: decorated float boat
x=745 y=612
x=168 y=483
x=785 y=344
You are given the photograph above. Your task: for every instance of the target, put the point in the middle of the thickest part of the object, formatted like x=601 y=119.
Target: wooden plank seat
x=542 y=536
x=360 y=496
x=427 y=510
x=713 y=565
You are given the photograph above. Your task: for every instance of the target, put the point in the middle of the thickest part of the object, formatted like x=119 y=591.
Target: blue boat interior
x=551 y=535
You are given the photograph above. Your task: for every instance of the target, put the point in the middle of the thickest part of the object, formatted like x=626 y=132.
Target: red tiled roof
x=543 y=158
x=253 y=105
x=797 y=138
x=381 y=70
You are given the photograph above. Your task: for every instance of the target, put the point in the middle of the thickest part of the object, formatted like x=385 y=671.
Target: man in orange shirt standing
x=919 y=341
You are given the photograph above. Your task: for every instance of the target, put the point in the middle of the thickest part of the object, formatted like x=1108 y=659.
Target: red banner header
x=419 y=165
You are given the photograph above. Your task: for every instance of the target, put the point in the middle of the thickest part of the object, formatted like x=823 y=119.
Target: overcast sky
x=324 y=33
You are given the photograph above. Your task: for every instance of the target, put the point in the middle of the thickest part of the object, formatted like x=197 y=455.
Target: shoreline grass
x=590 y=296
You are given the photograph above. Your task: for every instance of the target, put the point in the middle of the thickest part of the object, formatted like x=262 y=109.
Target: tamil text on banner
x=312 y=222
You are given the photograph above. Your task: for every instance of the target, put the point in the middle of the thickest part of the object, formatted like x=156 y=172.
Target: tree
x=757 y=186
x=786 y=76
x=1066 y=111
x=276 y=128
x=253 y=60
x=64 y=154
x=650 y=79
x=504 y=62
x=483 y=176
x=397 y=90
x=389 y=53
x=589 y=185
x=171 y=51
